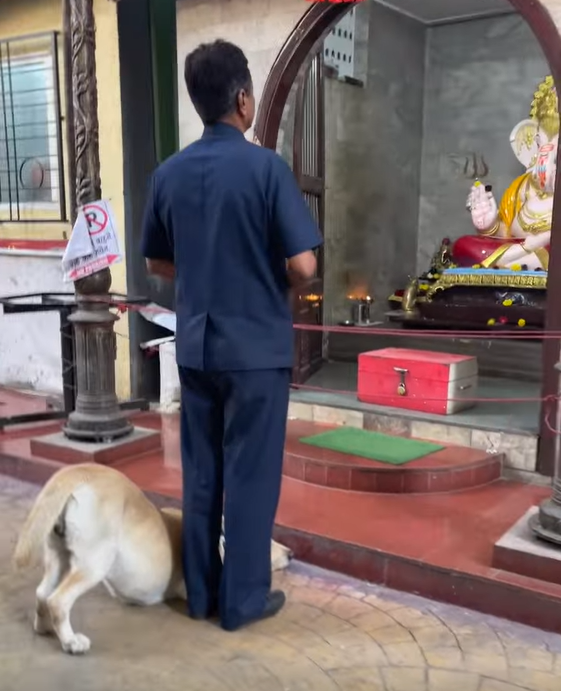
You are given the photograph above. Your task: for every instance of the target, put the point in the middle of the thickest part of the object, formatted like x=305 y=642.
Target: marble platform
x=509 y=429
x=57 y=447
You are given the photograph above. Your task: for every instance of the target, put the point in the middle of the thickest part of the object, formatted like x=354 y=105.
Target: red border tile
x=377 y=477
x=487 y=595
x=339 y=478
x=44 y=245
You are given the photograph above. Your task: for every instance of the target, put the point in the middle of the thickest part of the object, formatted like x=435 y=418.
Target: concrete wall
x=480 y=80
x=259 y=27
x=373 y=159
x=30 y=343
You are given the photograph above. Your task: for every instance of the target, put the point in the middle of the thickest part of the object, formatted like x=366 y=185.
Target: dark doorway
x=148 y=63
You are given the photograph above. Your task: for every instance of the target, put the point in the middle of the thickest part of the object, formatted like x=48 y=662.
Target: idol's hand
x=536 y=242
x=483 y=208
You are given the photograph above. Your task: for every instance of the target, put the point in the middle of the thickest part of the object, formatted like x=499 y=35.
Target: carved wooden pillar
x=547 y=523
x=98 y=416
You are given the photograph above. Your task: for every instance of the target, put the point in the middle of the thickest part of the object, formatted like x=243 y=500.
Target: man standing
x=226 y=219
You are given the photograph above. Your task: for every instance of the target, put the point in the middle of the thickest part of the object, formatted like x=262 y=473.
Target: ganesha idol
x=516 y=233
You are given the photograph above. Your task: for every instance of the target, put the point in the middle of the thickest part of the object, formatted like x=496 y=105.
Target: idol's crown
x=545 y=107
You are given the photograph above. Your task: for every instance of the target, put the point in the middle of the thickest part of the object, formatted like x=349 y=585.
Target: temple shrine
x=496 y=278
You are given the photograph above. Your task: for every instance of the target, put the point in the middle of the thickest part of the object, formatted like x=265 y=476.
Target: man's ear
x=243 y=100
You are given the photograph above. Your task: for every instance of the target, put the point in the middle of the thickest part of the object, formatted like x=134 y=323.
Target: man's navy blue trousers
x=233 y=427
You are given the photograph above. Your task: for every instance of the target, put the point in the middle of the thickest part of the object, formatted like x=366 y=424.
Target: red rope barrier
x=530 y=399
x=520 y=333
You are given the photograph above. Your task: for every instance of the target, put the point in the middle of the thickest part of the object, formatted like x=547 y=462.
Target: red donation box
x=437 y=383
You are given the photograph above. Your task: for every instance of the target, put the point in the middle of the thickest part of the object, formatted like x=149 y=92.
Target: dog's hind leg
x=57 y=564
x=84 y=574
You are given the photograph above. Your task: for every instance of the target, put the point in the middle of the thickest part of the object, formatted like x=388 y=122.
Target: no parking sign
x=93 y=245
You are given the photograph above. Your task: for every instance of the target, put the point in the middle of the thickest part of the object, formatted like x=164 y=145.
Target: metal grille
x=310 y=163
x=313 y=202
x=31 y=160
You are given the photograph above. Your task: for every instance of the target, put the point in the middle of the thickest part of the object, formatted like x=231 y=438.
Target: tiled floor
x=438 y=545
x=14 y=403
x=335 y=634
x=455 y=530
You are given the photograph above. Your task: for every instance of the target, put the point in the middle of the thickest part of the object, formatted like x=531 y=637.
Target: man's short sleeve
x=155 y=242
x=292 y=219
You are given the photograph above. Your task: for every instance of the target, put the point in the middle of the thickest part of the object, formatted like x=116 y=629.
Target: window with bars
x=31 y=158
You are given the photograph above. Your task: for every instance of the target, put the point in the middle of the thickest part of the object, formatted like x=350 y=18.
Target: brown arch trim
x=305 y=35
x=322 y=15
x=309 y=31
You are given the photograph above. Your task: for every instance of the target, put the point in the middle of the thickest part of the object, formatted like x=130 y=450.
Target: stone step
x=451 y=469
x=517 y=446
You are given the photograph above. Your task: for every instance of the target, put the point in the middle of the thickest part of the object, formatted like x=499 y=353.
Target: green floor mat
x=372 y=445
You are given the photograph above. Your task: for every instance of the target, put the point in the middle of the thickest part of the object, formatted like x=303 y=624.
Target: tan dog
x=95 y=526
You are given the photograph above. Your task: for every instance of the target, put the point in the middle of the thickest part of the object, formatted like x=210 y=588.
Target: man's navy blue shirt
x=228 y=214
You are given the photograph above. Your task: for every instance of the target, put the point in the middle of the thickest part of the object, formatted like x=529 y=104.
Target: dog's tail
x=46 y=511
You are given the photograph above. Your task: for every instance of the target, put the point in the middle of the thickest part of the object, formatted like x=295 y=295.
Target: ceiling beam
x=450 y=19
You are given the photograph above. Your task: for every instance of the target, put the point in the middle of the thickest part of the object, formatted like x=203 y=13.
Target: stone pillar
x=547 y=524
x=98 y=417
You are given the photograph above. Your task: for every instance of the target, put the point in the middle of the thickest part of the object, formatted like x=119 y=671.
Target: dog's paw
x=280 y=557
x=77 y=645
x=42 y=626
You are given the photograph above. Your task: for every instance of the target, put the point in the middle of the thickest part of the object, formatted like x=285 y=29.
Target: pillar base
x=546 y=524
x=57 y=447
x=97 y=428
x=521 y=551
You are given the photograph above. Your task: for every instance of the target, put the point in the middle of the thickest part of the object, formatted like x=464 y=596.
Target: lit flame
x=360 y=298
x=360 y=292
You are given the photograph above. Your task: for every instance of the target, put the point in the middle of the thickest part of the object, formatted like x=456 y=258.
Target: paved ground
x=335 y=634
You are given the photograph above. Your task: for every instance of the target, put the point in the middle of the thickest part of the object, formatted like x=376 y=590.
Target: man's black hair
x=215 y=73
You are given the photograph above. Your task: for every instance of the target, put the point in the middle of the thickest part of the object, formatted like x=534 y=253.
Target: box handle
x=402 y=388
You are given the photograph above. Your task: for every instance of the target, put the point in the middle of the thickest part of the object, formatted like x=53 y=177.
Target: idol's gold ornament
x=410 y=296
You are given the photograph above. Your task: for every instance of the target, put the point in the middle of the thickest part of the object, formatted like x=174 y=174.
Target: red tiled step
x=451 y=469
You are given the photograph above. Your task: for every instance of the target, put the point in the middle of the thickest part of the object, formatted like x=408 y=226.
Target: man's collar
x=221 y=129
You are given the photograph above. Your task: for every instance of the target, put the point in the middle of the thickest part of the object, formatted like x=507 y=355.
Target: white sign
x=93 y=245
x=160 y=316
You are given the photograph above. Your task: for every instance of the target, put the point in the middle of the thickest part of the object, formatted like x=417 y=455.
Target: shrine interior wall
x=480 y=79
x=373 y=149
x=395 y=147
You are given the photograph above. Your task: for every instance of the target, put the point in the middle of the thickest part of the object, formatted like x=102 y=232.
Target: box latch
x=402 y=388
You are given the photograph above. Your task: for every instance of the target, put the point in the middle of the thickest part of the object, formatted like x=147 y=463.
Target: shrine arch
x=306 y=39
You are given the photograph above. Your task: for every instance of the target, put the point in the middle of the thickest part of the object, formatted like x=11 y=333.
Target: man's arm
x=161 y=268
x=301 y=268
x=156 y=245
x=297 y=230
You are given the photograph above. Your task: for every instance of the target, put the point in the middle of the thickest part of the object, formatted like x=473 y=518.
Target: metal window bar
x=32 y=180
